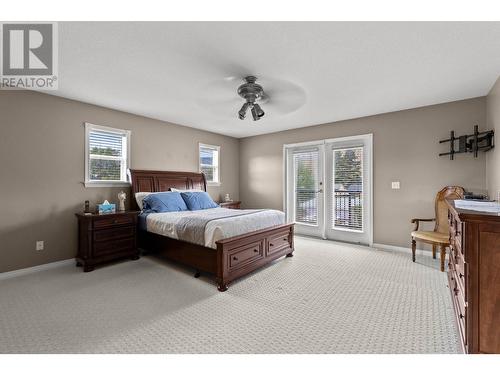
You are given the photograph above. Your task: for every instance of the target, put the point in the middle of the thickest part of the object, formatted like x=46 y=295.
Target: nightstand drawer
x=126 y=245
x=114 y=233
x=112 y=220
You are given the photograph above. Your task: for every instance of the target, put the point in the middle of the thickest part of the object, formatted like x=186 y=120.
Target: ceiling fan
x=279 y=98
x=251 y=92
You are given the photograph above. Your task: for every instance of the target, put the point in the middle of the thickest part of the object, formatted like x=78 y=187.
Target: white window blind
x=347 y=175
x=107 y=155
x=306 y=168
x=209 y=163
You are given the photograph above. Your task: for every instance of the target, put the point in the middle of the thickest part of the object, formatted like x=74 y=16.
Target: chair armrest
x=417 y=222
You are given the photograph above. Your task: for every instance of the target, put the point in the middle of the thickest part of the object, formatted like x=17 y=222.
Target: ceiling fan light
x=255 y=114
x=259 y=110
x=243 y=111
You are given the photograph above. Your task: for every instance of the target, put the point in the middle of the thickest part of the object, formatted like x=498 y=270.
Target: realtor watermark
x=28 y=56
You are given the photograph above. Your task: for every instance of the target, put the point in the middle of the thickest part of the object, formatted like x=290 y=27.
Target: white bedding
x=165 y=223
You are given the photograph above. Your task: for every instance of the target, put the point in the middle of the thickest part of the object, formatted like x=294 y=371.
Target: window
x=306 y=168
x=107 y=155
x=347 y=187
x=209 y=163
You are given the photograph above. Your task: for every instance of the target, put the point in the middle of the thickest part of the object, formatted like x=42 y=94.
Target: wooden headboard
x=154 y=181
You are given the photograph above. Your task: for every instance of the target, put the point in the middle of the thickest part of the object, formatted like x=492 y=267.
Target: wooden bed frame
x=234 y=257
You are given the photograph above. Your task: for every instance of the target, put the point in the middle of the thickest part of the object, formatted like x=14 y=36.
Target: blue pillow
x=198 y=200
x=164 y=202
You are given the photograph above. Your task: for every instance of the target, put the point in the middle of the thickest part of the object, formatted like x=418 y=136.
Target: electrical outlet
x=39 y=245
x=395 y=185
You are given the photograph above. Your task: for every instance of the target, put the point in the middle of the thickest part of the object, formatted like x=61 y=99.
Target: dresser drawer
x=113 y=220
x=459 y=304
x=461 y=274
x=114 y=233
x=241 y=256
x=126 y=245
x=278 y=243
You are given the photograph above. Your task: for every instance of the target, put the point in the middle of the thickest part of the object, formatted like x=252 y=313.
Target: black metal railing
x=348 y=209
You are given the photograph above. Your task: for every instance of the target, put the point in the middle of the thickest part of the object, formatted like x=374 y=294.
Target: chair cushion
x=431 y=236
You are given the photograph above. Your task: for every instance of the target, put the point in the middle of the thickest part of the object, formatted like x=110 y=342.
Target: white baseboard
x=42 y=267
x=401 y=249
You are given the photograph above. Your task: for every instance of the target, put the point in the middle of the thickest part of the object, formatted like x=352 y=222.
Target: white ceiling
x=345 y=69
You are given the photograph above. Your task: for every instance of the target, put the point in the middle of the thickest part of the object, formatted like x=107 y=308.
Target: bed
x=227 y=258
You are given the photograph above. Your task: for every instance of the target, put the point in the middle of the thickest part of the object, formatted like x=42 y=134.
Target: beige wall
x=493 y=156
x=42 y=165
x=405 y=149
x=42 y=169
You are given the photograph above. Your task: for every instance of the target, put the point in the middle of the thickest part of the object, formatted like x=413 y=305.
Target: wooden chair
x=439 y=236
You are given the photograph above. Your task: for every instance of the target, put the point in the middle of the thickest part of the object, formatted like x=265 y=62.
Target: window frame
x=96 y=183
x=216 y=148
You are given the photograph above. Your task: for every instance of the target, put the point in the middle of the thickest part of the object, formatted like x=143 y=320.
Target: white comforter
x=165 y=223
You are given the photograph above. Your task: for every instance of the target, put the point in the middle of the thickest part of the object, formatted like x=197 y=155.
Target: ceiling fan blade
x=220 y=96
x=285 y=105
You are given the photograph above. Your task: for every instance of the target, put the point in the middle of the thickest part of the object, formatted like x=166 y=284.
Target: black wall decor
x=469 y=143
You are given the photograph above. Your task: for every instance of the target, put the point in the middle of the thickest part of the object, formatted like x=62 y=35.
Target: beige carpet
x=329 y=298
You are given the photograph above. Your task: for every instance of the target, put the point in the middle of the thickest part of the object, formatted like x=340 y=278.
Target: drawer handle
x=271 y=244
x=461 y=316
x=255 y=250
x=455 y=290
x=285 y=239
x=234 y=258
x=460 y=275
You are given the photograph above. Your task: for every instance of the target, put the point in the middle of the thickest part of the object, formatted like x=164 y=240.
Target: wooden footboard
x=238 y=256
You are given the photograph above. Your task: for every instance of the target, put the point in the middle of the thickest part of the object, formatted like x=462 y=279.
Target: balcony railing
x=348 y=210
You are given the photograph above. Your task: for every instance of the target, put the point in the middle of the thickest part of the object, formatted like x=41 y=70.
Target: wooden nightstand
x=234 y=204
x=106 y=237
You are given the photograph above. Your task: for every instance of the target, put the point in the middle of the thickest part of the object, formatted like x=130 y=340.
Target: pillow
x=139 y=197
x=184 y=190
x=198 y=200
x=168 y=201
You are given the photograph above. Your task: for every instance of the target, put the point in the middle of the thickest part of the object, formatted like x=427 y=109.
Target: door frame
x=303 y=228
x=368 y=139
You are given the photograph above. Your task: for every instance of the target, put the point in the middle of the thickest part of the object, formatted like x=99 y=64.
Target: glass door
x=348 y=191
x=328 y=188
x=305 y=203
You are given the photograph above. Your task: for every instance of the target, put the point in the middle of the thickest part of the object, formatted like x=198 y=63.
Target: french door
x=329 y=188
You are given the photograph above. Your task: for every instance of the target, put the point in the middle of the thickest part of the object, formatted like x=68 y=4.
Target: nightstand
x=106 y=237
x=233 y=204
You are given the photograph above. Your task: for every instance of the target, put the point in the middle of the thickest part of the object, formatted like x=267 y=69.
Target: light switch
x=395 y=184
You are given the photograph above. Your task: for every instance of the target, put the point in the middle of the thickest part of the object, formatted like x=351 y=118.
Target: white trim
x=302 y=144
x=218 y=167
x=367 y=137
x=402 y=249
x=364 y=137
x=106 y=184
x=92 y=183
x=42 y=267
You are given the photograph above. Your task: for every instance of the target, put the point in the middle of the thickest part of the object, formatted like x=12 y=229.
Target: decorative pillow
x=198 y=200
x=139 y=197
x=169 y=201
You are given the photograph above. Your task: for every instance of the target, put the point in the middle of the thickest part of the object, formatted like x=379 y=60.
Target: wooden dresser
x=106 y=237
x=474 y=277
